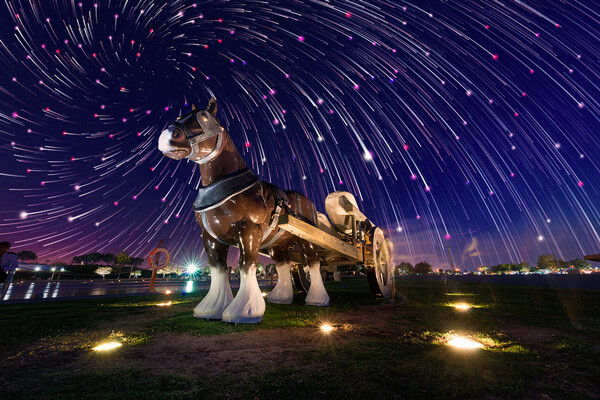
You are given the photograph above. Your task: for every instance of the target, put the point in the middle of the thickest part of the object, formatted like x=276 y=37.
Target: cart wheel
x=378 y=264
x=301 y=279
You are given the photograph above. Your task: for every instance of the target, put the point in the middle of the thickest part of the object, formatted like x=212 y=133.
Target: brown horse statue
x=234 y=208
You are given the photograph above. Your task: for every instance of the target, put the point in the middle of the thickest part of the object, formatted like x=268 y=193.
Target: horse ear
x=212 y=106
x=193 y=107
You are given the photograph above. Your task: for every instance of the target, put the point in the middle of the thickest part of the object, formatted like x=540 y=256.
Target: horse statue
x=235 y=208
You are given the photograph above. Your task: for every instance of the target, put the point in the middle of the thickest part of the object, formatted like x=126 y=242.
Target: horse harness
x=217 y=193
x=210 y=127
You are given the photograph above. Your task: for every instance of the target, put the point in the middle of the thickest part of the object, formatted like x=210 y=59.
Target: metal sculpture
x=235 y=208
x=153 y=258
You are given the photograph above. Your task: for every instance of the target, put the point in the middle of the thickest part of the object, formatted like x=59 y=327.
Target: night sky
x=469 y=124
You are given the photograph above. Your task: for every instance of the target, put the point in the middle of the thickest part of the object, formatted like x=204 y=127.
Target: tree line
x=544 y=262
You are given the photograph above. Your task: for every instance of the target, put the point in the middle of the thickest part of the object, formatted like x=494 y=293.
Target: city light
x=461 y=342
x=191 y=269
x=107 y=346
x=327 y=328
x=168 y=292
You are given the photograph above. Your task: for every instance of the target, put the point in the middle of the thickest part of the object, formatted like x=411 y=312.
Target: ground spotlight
x=107 y=346
x=461 y=342
x=326 y=328
x=462 y=306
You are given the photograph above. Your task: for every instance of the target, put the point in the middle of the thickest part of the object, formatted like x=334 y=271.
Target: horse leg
x=248 y=306
x=282 y=293
x=317 y=295
x=219 y=295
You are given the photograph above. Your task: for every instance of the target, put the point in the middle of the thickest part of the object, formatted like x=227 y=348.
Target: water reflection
x=30 y=290
x=46 y=291
x=56 y=288
x=8 y=292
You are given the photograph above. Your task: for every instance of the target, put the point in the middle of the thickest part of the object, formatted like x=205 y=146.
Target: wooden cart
x=366 y=245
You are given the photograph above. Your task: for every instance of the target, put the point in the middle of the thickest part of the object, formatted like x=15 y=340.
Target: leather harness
x=217 y=193
x=195 y=139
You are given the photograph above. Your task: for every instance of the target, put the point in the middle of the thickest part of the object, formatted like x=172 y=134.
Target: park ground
x=539 y=344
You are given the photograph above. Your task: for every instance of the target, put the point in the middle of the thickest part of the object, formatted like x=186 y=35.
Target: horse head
x=196 y=135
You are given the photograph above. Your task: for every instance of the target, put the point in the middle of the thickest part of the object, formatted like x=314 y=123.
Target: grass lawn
x=539 y=343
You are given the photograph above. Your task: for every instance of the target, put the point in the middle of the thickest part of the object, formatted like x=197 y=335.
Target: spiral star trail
x=464 y=124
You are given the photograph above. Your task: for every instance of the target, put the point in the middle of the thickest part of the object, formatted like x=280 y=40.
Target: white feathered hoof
x=317 y=295
x=218 y=298
x=283 y=292
x=248 y=306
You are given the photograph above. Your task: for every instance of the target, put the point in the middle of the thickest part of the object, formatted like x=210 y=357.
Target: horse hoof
x=280 y=298
x=318 y=303
x=213 y=316
x=280 y=301
x=242 y=320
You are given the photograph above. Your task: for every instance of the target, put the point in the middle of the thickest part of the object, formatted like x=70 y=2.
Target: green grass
x=540 y=341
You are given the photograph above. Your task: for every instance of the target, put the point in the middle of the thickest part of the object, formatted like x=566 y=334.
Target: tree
x=136 y=262
x=514 y=267
x=580 y=264
x=122 y=259
x=26 y=255
x=405 y=268
x=136 y=274
x=95 y=257
x=59 y=264
x=108 y=258
x=260 y=269
x=423 y=268
x=500 y=268
x=169 y=269
x=103 y=271
x=524 y=267
x=547 y=261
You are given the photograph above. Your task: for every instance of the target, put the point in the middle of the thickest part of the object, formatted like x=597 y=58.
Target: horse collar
x=219 y=192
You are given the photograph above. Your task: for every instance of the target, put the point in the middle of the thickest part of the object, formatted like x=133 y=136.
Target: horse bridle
x=196 y=138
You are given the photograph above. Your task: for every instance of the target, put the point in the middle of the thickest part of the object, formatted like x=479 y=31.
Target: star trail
x=465 y=124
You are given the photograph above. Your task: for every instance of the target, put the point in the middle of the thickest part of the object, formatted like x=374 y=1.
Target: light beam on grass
x=168 y=303
x=461 y=342
x=107 y=346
